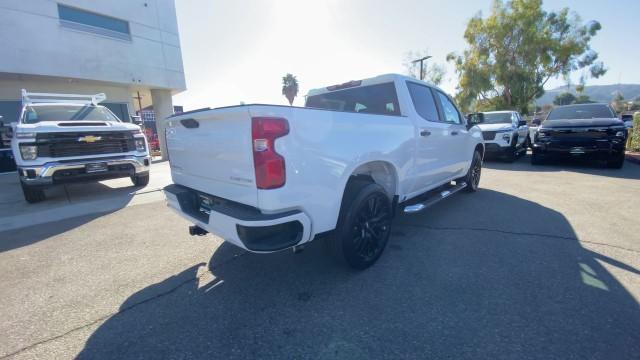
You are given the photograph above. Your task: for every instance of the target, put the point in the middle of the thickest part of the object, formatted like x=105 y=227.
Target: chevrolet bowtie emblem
x=89 y=138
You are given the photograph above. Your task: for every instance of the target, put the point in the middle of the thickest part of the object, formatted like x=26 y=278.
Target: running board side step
x=434 y=199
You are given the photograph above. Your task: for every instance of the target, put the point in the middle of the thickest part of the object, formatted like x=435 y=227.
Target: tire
x=473 y=174
x=616 y=162
x=363 y=227
x=513 y=152
x=32 y=194
x=140 y=180
x=536 y=159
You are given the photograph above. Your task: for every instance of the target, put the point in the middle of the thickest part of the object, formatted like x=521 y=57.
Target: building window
x=95 y=23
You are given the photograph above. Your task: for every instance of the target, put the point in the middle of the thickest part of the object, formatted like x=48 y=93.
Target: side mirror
x=474 y=119
x=136 y=119
x=522 y=123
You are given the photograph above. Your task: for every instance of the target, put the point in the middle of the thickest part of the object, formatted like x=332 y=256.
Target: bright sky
x=237 y=50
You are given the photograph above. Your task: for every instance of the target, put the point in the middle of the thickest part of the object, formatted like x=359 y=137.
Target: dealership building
x=129 y=50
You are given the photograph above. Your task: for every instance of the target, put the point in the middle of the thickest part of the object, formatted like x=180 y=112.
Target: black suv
x=577 y=131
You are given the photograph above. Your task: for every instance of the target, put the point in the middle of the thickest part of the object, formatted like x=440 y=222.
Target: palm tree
x=290 y=87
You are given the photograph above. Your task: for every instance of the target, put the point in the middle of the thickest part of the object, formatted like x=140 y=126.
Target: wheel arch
x=380 y=172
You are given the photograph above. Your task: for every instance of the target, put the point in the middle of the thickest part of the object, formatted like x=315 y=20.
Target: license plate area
x=205 y=204
x=577 y=151
x=96 y=168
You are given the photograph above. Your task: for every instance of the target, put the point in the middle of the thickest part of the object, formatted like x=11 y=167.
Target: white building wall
x=34 y=42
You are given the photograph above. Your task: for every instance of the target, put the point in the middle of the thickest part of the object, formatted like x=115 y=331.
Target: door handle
x=425 y=132
x=455 y=132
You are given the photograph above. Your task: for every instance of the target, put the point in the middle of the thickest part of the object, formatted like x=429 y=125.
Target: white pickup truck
x=64 y=138
x=269 y=177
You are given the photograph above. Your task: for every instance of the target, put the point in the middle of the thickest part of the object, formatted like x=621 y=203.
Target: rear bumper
x=596 y=148
x=73 y=171
x=239 y=224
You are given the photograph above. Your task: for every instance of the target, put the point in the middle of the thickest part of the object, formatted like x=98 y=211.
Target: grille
x=488 y=135
x=579 y=133
x=68 y=144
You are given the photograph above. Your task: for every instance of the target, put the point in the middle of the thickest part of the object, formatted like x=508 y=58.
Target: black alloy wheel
x=371 y=227
x=473 y=175
x=364 y=225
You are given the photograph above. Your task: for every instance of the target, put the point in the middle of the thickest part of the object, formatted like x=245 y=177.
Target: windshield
x=34 y=114
x=373 y=99
x=581 y=112
x=497 y=118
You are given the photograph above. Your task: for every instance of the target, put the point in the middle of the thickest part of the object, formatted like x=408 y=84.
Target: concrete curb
x=633 y=157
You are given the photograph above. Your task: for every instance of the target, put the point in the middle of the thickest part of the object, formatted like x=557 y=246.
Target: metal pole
x=422 y=60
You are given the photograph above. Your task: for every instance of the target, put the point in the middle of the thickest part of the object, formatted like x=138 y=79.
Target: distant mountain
x=599 y=93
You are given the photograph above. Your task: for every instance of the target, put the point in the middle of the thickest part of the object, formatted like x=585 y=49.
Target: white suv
x=505 y=134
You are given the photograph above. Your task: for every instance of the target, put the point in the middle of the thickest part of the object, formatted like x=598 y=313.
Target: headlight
x=620 y=134
x=506 y=137
x=25 y=135
x=29 y=152
x=140 y=145
x=541 y=134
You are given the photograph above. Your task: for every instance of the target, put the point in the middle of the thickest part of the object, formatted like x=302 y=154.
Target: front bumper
x=497 y=143
x=74 y=170
x=497 y=149
x=239 y=224
x=602 y=148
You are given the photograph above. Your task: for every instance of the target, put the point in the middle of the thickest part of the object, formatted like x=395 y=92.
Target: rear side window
x=423 y=101
x=599 y=111
x=378 y=99
x=449 y=111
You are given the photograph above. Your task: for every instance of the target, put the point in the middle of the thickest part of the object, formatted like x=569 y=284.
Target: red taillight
x=268 y=164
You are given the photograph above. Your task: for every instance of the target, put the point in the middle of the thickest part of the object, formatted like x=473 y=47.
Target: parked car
x=627 y=119
x=584 y=130
x=505 y=134
x=68 y=137
x=270 y=177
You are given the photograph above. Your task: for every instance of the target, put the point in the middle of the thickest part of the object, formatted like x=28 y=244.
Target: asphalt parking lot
x=541 y=263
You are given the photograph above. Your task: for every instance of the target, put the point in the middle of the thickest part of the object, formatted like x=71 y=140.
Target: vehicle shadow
x=467 y=279
x=583 y=166
x=62 y=212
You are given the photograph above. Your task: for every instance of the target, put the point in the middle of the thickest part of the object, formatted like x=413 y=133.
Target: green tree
x=583 y=99
x=564 y=98
x=513 y=52
x=290 y=87
x=433 y=73
x=635 y=133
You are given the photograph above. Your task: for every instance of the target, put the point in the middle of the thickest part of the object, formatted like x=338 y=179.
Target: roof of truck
x=380 y=79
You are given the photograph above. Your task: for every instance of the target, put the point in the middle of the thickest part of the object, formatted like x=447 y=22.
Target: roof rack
x=29 y=98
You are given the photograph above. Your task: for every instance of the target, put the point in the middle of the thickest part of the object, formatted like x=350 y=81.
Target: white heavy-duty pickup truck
x=63 y=138
x=270 y=177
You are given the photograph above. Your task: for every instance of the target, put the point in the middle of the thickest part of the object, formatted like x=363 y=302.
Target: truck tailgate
x=211 y=151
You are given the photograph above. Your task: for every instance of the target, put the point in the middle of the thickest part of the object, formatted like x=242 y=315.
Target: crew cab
x=505 y=134
x=579 y=131
x=270 y=177
x=64 y=138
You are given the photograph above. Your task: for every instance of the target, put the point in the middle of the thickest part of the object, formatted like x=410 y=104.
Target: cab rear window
x=380 y=99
